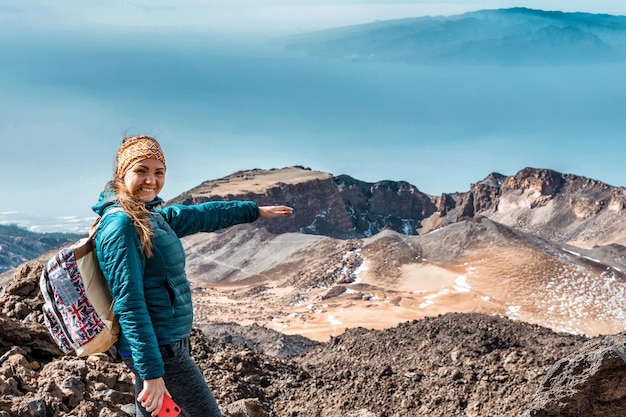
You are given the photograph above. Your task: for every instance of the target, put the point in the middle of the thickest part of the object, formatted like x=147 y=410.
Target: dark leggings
x=183 y=380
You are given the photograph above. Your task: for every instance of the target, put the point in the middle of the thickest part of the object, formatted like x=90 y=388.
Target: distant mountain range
x=516 y=36
x=18 y=245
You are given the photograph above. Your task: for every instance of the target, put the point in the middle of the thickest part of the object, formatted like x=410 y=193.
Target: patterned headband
x=136 y=149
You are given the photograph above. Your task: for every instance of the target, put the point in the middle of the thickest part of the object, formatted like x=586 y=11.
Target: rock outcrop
x=313 y=194
x=396 y=205
x=36 y=379
x=589 y=382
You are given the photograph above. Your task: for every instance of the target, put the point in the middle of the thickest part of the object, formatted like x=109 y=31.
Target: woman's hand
x=151 y=396
x=271 y=212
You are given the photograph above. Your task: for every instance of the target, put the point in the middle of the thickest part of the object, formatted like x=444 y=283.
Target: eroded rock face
x=590 y=382
x=320 y=209
x=552 y=205
x=544 y=181
x=486 y=193
x=397 y=205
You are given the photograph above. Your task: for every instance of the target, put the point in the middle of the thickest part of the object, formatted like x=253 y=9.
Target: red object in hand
x=169 y=408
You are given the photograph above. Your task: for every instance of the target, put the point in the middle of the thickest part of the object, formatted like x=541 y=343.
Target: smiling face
x=145 y=179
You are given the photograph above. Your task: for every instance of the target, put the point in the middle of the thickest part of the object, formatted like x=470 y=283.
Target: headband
x=137 y=149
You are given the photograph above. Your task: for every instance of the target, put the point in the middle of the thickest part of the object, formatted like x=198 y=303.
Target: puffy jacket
x=152 y=296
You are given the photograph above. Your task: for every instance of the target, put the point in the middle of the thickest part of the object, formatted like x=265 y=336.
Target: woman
x=143 y=261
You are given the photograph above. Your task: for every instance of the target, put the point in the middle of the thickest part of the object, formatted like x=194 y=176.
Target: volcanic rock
x=451 y=365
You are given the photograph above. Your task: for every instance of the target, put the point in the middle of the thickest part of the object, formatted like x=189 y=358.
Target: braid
x=137 y=211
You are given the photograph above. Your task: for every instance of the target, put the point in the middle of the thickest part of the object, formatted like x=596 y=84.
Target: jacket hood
x=108 y=199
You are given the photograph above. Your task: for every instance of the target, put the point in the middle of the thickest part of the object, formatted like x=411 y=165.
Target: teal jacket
x=152 y=296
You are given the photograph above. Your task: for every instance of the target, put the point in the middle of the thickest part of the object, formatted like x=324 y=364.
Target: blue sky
x=76 y=76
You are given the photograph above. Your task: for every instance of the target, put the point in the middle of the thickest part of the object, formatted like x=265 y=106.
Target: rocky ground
x=450 y=365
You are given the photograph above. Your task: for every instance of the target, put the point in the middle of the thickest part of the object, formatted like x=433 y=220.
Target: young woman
x=143 y=260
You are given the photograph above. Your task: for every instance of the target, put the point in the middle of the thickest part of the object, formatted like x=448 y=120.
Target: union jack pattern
x=77 y=322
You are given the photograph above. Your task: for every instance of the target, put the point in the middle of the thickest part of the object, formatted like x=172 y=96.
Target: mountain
x=19 y=245
x=560 y=207
x=375 y=254
x=502 y=37
x=540 y=246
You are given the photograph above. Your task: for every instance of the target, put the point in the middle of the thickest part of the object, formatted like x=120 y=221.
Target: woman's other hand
x=272 y=212
x=151 y=396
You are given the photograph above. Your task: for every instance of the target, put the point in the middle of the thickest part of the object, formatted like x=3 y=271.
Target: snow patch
x=572 y=252
x=445 y=291
x=513 y=312
x=574 y=296
x=461 y=285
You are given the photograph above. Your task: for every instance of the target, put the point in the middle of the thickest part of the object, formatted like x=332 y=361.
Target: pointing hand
x=272 y=212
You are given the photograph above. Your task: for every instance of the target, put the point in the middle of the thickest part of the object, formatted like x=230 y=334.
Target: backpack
x=78 y=305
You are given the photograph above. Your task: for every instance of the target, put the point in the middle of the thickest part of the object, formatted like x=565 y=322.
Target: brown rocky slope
x=449 y=365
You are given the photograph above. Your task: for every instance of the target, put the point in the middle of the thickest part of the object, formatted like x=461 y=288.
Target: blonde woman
x=143 y=260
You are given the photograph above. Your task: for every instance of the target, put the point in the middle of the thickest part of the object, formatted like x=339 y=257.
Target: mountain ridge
x=374 y=254
x=486 y=37
x=18 y=245
x=571 y=208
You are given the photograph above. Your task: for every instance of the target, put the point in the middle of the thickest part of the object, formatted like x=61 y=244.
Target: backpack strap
x=91 y=239
x=93 y=229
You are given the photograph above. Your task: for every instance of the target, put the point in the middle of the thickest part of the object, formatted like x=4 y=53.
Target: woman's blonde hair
x=137 y=211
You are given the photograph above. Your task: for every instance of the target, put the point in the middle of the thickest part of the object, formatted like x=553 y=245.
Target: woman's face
x=145 y=179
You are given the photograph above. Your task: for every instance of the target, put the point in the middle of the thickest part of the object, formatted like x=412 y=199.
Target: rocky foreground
x=450 y=365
